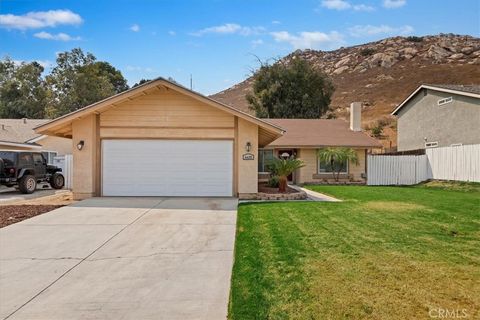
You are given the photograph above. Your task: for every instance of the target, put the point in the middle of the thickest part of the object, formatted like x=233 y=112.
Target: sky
x=218 y=42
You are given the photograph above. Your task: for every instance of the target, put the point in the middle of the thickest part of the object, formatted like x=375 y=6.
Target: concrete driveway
x=120 y=258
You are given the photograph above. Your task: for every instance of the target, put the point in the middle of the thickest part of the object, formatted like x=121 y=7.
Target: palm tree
x=337 y=157
x=284 y=167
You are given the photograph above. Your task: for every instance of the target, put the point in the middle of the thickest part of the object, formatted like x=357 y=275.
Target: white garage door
x=167 y=168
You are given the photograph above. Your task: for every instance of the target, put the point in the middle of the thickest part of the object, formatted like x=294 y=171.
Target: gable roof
x=320 y=133
x=464 y=90
x=104 y=104
x=19 y=130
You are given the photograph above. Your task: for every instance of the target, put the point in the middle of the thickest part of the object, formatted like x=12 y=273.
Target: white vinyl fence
x=396 y=170
x=460 y=163
x=66 y=163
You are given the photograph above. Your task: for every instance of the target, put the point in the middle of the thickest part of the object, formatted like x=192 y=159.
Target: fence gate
x=66 y=164
x=396 y=170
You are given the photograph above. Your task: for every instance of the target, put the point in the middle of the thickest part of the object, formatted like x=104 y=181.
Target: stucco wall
x=61 y=145
x=309 y=173
x=85 y=161
x=247 y=175
x=422 y=117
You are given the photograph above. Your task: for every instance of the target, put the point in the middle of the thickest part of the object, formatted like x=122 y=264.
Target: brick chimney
x=356 y=116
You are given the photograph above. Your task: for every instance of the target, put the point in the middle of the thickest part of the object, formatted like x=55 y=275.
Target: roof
x=471 y=90
x=100 y=106
x=19 y=130
x=320 y=133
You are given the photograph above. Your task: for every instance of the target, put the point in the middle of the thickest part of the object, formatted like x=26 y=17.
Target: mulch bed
x=17 y=213
x=266 y=189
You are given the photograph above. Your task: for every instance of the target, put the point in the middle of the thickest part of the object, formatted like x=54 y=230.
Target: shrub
x=414 y=39
x=377 y=131
x=367 y=52
x=273 y=182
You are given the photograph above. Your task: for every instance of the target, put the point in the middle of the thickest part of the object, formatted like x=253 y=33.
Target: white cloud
x=312 y=40
x=257 y=42
x=345 y=5
x=40 y=19
x=58 y=37
x=369 y=30
x=276 y=22
x=46 y=64
x=392 y=4
x=336 y=4
x=229 y=28
x=172 y=33
x=135 y=28
x=140 y=69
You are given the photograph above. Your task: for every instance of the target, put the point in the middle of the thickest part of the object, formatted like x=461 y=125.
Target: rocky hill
x=382 y=74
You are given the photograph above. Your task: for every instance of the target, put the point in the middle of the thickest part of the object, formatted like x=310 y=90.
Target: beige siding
x=247 y=169
x=309 y=173
x=61 y=145
x=165 y=115
x=85 y=161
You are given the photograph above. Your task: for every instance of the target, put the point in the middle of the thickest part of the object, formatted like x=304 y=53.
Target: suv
x=25 y=169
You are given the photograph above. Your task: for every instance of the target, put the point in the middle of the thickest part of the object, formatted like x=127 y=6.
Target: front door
x=284 y=154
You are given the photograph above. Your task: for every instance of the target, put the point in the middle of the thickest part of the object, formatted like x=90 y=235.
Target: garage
x=167 y=168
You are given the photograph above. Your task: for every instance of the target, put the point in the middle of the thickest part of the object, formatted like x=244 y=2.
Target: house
x=161 y=139
x=439 y=116
x=18 y=134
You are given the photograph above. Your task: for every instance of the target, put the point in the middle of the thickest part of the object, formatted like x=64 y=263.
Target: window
x=444 y=101
x=264 y=157
x=25 y=159
x=431 y=144
x=324 y=167
x=37 y=158
x=49 y=155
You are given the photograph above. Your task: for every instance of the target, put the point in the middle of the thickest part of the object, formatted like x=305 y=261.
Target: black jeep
x=25 y=169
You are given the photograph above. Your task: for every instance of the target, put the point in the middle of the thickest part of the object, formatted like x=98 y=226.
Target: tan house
x=161 y=139
x=18 y=134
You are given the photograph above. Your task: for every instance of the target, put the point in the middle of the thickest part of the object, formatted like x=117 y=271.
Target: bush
x=273 y=182
x=367 y=52
x=377 y=131
x=414 y=39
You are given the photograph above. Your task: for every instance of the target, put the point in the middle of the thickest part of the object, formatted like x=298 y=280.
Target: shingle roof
x=470 y=88
x=19 y=130
x=320 y=133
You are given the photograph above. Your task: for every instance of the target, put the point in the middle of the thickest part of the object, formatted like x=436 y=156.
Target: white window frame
x=330 y=172
x=432 y=144
x=444 y=101
x=50 y=155
x=260 y=151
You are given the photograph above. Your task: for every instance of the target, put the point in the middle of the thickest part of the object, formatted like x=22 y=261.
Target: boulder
x=340 y=70
x=437 y=53
x=456 y=56
x=467 y=50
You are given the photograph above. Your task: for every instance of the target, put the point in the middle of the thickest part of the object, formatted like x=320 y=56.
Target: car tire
x=57 y=181
x=27 y=184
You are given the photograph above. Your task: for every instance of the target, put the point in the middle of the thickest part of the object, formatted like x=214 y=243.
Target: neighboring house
x=439 y=116
x=18 y=134
x=161 y=139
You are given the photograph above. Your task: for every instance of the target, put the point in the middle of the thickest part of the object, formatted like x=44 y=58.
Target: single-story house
x=18 y=134
x=439 y=116
x=162 y=139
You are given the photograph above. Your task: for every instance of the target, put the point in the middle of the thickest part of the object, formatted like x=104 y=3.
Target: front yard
x=383 y=253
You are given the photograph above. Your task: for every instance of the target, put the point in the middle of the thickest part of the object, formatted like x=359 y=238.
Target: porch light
x=248 y=146
x=80 y=145
x=285 y=155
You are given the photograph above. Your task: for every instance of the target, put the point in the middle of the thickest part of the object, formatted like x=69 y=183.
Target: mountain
x=382 y=74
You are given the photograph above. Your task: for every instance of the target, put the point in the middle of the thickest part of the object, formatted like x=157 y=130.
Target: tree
x=283 y=168
x=337 y=157
x=22 y=90
x=142 y=81
x=293 y=89
x=79 y=80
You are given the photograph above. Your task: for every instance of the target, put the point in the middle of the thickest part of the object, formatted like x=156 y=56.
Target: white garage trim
x=167 y=167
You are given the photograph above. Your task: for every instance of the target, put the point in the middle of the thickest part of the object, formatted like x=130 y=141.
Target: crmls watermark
x=441 y=313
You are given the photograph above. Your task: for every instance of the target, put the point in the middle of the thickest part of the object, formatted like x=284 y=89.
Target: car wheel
x=57 y=181
x=27 y=184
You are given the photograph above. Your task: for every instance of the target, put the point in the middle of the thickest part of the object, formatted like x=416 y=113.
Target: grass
x=383 y=253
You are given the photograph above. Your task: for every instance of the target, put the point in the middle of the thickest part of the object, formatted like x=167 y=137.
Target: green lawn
x=383 y=253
